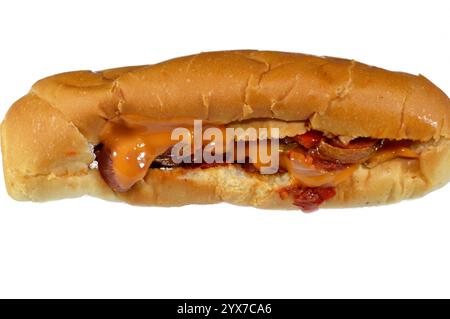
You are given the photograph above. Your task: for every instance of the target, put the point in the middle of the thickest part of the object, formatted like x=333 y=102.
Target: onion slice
x=300 y=167
x=347 y=155
x=105 y=167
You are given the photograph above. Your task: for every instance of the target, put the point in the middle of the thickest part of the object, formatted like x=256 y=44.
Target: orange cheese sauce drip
x=389 y=153
x=134 y=142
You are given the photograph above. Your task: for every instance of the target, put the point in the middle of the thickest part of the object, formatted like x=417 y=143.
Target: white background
x=91 y=248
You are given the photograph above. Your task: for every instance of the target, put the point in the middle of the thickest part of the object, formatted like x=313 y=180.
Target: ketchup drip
x=308 y=199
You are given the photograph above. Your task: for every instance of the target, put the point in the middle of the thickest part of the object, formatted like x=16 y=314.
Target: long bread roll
x=55 y=141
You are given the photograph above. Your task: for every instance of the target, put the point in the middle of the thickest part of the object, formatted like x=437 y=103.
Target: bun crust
x=46 y=134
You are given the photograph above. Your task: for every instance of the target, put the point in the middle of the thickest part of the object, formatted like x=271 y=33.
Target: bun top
x=338 y=96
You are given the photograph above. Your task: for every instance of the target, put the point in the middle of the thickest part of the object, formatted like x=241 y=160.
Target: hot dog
x=342 y=133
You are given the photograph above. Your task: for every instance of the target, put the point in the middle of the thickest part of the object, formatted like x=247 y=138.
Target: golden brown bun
x=46 y=134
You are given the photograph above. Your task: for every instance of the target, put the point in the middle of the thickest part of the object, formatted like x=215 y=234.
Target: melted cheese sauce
x=386 y=154
x=134 y=142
